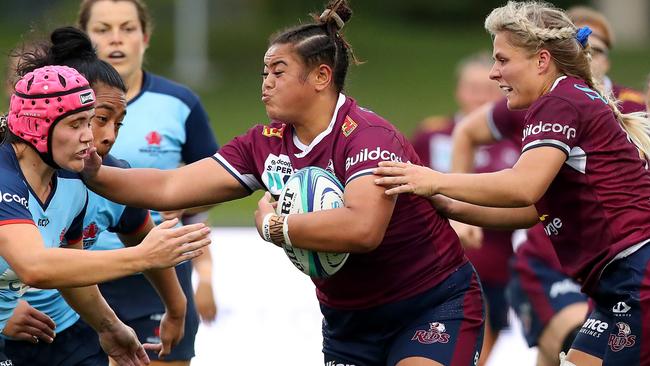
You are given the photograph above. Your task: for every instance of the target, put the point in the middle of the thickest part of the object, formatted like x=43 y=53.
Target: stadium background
x=410 y=48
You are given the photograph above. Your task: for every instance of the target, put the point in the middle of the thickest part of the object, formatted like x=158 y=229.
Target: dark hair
x=69 y=47
x=143 y=14
x=321 y=42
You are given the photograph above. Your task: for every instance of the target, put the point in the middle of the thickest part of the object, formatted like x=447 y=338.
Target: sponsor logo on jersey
x=8 y=197
x=269 y=131
x=622 y=339
x=86 y=98
x=621 y=309
x=592 y=94
x=535 y=129
x=435 y=334
x=277 y=170
x=368 y=154
x=551 y=226
x=154 y=138
x=348 y=126
x=563 y=287
x=594 y=327
x=43 y=222
x=336 y=363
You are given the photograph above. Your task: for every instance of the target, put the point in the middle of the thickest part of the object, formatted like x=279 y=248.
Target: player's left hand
x=406 y=178
x=172 y=330
x=122 y=345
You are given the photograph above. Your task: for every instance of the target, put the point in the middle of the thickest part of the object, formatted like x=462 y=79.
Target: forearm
x=504 y=188
x=203 y=266
x=169 y=289
x=57 y=267
x=491 y=217
x=336 y=230
x=91 y=306
x=462 y=153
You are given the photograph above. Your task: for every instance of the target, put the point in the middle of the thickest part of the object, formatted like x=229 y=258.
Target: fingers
x=166 y=347
x=391 y=181
x=405 y=188
x=168 y=224
x=195 y=236
x=180 y=231
x=43 y=322
x=393 y=164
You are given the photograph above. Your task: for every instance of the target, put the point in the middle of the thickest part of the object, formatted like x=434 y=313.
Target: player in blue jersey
x=165 y=126
x=75 y=341
x=47 y=128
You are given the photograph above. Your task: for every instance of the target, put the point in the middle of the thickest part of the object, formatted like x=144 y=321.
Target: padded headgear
x=42 y=98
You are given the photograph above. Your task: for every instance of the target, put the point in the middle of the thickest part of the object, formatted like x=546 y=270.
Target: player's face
x=115 y=29
x=71 y=139
x=475 y=88
x=286 y=91
x=516 y=72
x=110 y=109
x=599 y=58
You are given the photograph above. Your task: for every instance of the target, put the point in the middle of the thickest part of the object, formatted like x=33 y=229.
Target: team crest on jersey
x=622 y=339
x=348 y=126
x=90 y=235
x=269 y=131
x=435 y=334
x=277 y=170
x=153 y=138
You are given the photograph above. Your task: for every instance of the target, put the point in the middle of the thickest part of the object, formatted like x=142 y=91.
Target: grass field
x=408 y=74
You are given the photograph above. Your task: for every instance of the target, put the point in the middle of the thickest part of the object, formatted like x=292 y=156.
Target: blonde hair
x=536 y=25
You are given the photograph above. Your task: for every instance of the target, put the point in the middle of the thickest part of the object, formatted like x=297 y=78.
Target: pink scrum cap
x=42 y=98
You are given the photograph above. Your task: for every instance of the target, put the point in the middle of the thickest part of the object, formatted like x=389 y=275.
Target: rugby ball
x=307 y=190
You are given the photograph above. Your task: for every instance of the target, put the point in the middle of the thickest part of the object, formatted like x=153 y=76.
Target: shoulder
x=160 y=85
x=110 y=160
x=363 y=121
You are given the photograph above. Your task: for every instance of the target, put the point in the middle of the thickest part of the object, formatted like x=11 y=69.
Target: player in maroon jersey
x=582 y=173
x=488 y=250
x=407 y=294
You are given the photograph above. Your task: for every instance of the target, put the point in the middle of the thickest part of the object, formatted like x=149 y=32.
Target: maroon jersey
x=599 y=203
x=434 y=146
x=419 y=249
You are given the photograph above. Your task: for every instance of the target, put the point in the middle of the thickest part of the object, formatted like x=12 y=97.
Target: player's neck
x=316 y=119
x=37 y=173
x=134 y=84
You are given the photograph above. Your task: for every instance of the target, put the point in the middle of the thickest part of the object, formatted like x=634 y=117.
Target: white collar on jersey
x=557 y=81
x=306 y=149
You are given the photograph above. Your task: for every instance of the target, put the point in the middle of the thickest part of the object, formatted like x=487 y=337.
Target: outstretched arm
x=521 y=186
x=488 y=217
x=201 y=183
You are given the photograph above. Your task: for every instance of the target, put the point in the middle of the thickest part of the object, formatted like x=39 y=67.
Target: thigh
x=450 y=333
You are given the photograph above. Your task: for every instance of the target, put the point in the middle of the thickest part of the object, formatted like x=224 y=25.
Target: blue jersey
x=165 y=126
x=103 y=215
x=59 y=221
x=100 y=215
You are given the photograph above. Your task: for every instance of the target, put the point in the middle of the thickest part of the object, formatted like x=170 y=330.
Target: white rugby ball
x=307 y=190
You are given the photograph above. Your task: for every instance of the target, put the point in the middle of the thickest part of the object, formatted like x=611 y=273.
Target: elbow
x=366 y=240
x=35 y=277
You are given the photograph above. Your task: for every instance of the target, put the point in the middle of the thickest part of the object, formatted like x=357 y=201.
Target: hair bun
x=70 y=42
x=337 y=12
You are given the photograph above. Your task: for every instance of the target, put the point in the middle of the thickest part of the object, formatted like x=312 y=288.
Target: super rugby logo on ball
x=312 y=189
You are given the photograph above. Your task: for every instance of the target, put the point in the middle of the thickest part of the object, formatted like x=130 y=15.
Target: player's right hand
x=166 y=245
x=29 y=324
x=92 y=163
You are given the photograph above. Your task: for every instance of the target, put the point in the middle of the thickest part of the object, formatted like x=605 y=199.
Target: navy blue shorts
x=444 y=324
x=537 y=292
x=4 y=360
x=618 y=329
x=148 y=330
x=497 y=306
x=75 y=346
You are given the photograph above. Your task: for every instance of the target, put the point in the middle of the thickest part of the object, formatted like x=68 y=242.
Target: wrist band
x=285 y=231
x=266 y=227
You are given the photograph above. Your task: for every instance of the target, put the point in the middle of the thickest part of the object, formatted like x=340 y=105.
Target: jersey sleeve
x=367 y=148
x=552 y=121
x=14 y=200
x=131 y=221
x=75 y=231
x=504 y=123
x=237 y=158
x=200 y=139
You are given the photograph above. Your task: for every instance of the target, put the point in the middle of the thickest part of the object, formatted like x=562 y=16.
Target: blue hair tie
x=583 y=35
